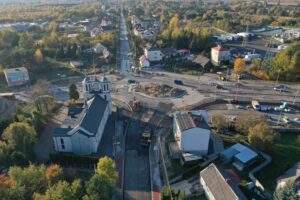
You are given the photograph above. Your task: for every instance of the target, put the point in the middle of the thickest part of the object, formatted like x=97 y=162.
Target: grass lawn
x=285 y=154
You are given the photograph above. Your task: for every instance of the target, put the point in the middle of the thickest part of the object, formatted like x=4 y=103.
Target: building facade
x=153 y=54
x=220 y=55
x=16 y=76
x=83 y=130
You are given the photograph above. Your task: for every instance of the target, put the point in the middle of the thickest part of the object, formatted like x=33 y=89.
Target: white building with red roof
x=144 y=62
x=220 y=55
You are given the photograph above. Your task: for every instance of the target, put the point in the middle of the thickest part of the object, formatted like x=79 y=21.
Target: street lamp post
x=277 y=78
x=296 y=95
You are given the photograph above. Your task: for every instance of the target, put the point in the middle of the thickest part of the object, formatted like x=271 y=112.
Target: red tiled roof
x=220 y=48
x=143 y=58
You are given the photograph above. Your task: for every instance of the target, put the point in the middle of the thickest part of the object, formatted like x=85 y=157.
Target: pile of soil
x=160 y=90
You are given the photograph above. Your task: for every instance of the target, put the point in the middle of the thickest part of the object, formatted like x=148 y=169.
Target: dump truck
x=146 y=137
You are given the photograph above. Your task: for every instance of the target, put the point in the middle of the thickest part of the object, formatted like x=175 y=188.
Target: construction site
x=159 y=90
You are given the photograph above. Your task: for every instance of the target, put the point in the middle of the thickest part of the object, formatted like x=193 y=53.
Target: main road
x=136 y=167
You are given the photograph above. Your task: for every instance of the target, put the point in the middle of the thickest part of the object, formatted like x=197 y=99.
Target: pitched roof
x=168 y=51
x=292 y=174
x=220 y=48
x=61 y=132
x=12 y=70
x=219 y=185
x=184 y=121
x=202 y=60
x=94 y=114
x=153 y=48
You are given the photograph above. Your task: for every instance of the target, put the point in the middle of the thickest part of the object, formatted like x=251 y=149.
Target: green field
x=285 y=154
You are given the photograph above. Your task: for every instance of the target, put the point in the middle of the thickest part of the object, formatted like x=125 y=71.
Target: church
x=82 y=130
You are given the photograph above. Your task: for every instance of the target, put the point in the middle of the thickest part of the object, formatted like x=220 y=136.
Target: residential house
x=204 y=62
x=217 y=185
x=291 y=175
x=241 y=155
x=144 y=62
x=95 y=32
x=168 y=52
x=220 y=55
x=191 y=137
x=99 y=48
x=16 y=76
x=82 y=131
x=153 y=54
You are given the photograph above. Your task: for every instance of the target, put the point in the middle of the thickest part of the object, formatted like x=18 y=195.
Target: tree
x=20 y=137
x=174 y=23
x=288 y=192
x=99 y=187
x=63 y=191
x=26 y=41
x=107 y=167
x=245 y=121
x=73 y=93
x=53 y=174
x=27 y=180
x=261 y=136
x=169 y=194
x=38 y=56
x=220 y=122
x=239 y=65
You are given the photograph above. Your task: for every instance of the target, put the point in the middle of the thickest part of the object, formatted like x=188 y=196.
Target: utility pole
x=296 y=95
x=277 y=78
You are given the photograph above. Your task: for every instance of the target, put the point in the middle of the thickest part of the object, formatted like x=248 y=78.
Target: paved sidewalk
x=119 y=148
x=156 y=182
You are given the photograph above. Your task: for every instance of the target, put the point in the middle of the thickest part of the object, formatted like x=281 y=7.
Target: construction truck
x=221 y=76
x=146 y=137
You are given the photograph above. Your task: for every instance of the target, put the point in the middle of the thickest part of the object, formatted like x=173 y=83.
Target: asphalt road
x=125 y=57
x=137 y=174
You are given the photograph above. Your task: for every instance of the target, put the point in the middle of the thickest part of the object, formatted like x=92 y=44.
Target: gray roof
x=219 y=184
x=184 y=121
x=153 y=48
x=61 y=132
x=94 y=114
x=202 y=60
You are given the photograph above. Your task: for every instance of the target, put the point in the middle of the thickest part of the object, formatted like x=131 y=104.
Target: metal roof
x=94 y=114
x=61 y=132
x=220 y=186
x=184 y=121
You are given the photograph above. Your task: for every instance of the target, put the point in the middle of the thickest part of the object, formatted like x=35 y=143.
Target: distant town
x=140 y=100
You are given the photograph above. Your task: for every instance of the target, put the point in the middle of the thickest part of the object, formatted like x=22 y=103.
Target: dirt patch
x=160 y=90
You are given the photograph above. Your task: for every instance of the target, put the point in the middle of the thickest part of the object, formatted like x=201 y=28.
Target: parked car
x=178 y=82
x=280 y=88
x=131 y=81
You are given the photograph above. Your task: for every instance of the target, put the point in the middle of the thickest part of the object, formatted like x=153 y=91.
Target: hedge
x=68 y=159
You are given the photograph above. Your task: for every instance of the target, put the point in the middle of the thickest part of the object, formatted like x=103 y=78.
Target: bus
x=255 y=105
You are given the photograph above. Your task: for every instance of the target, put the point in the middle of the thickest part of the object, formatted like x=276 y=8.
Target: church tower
x=106 y=89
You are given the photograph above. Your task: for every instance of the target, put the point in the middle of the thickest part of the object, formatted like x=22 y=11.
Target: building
x=291 y=175
x=218 y=186
x=99 y=48
x=82 y=130
x=169 y=52
x=220 y=55
x=191 y=137
x=204 y=62
x=16 y=76
x=241 y=155
x=153 y=54
x=144 y=62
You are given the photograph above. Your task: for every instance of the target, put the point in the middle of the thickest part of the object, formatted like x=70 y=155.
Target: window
x=62 y=143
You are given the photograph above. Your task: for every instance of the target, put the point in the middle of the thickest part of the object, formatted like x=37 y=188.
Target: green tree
x=107 y=167
x=26 y=41
x=244 y=122
x=20 y=137
x=288 y=192
x=27 y=181
x=73 y=93
x=63 y=191
x=261 y=136
x=99 y=187
x=220 y=123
